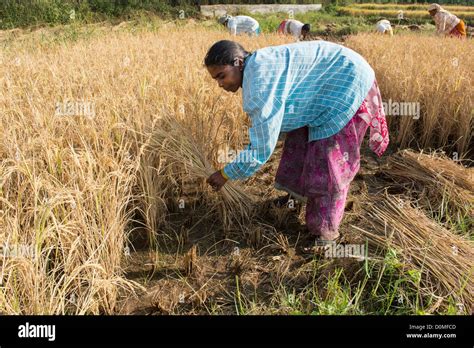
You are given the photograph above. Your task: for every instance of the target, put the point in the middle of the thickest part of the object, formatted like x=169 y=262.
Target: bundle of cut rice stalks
x=445 y=260
x=180 y=147
x=442 y=183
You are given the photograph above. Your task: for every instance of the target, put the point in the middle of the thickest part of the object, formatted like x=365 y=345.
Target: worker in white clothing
x=240 y=25
x=384 y=27
x=295 y=28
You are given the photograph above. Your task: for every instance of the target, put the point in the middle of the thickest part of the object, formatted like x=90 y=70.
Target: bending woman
x=447 y=24
x=324 y=96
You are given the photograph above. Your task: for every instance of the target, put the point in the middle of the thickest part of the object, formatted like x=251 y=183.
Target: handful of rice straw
x=446 y=260
x=179 y=145
x=436 y=175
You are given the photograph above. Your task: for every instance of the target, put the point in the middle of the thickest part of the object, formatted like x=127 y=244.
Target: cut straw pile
x=438 y=177
x=179 y=146
x=444 y=259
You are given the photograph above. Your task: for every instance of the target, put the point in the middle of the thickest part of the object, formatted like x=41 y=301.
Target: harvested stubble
x=439 y=178
x=190 y=263
x=444 y=259
x=180 y=146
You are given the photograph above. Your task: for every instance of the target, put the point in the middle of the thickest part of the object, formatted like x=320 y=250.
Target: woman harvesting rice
x=325 y=97
x=447 y=24
x=295 y=28
x=383 y=26
x=241 y=25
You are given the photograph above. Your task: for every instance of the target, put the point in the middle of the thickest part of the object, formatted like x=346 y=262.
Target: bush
x=23 y=13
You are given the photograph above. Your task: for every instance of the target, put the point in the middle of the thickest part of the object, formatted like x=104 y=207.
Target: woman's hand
x=216 y=180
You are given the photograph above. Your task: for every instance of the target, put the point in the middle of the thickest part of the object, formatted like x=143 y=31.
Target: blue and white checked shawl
x=316 y=84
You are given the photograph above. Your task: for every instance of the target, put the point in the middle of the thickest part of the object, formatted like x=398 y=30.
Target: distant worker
x=295 y=28
x=384 y=27
x=240 y=25
x=447 y=24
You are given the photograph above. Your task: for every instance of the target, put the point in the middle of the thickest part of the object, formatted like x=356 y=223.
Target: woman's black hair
x=224 y=52
x=306 y=27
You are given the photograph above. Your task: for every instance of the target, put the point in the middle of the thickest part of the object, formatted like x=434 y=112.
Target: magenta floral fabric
x=322 y=170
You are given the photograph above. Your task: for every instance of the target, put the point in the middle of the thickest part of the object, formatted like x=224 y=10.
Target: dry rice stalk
x=444 y=259
x=436 y=175
x=443 y=116
x=190 y=262
x=178 y=144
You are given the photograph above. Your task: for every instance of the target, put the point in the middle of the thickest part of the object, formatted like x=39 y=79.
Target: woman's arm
x=267 y=117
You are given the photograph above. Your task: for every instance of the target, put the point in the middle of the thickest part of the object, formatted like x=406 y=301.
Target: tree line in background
x=336 y=2
x=23 y=13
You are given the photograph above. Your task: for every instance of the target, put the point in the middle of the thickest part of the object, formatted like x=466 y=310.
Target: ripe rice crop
x=72 y=183
x=408 y=72
x=393 y=13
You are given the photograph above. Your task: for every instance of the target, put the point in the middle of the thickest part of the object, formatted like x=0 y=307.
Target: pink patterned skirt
x=321 y=171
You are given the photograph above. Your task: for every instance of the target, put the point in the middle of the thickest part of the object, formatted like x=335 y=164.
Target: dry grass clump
x=444 y=259
x=190 y=262
x=440 y=181
x=408 y=71
x=64 y=193
x=179 y=146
